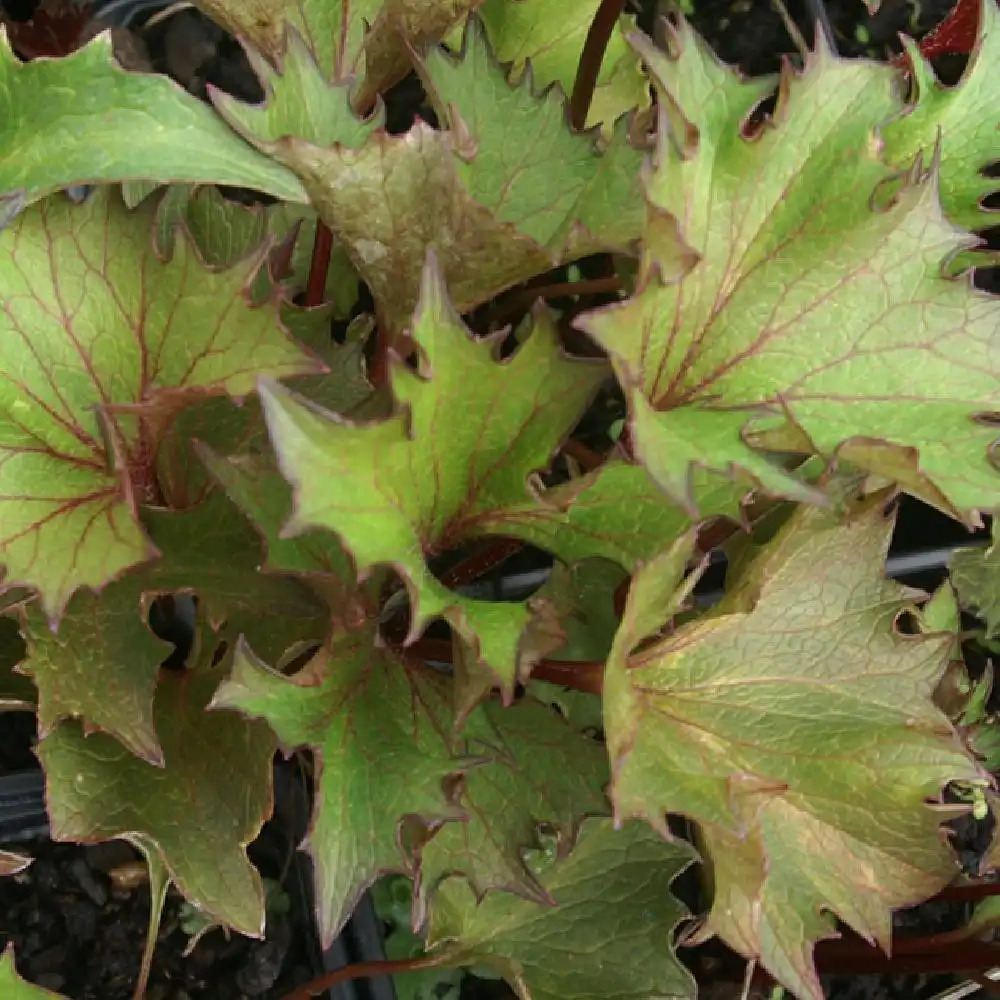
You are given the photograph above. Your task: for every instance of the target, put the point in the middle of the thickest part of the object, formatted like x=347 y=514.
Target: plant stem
x=590 y=61
x=361 y=970
x=319 y=265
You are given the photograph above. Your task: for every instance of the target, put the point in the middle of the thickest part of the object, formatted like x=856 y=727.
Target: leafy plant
x=766 y=280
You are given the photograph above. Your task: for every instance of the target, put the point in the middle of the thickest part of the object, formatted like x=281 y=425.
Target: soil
x=78 y=920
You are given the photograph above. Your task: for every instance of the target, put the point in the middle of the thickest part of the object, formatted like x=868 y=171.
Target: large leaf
x=83 y=119
x=961 y=117
x=508 y=192
x=540 y=770
x=14 y=987
x=196 y=813
x=99 y=339
x=809 y=296
x=379 y=728
x=335 y=32
x=614 y=915
x=550 y=34
x=796 y=726
x=399 y=491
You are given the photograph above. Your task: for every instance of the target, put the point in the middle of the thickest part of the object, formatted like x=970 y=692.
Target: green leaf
x=367 y=39
x=396 y=496
x=100 y=667
x=787 y=305
x=617 y=879
x=197 y=812
x=213 y=551
x=83 y=119
x=14 y=987
x=961 y=117
x=975 y=575
x=379 y=728
x=795 y=725
x=507 y=193
x=538 y=770
x=99 y=342
x=551 y=35
x=616 y=513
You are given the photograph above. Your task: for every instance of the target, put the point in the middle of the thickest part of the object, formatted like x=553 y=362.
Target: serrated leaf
x=380 y=731
x=213 y=551
x=14 y=987
x=97 y=338
x=82 y=119
x=508 y=193
x=359 y=480
x=11 y=863
x=796 y=726
x=616 y=512
x=367 y=39
x=550 y=35
x=197 y=812
x=810 y=298
x=961 y=117
x=625 y=876
x=975 y=575
x=538 y=770
x=100 y=667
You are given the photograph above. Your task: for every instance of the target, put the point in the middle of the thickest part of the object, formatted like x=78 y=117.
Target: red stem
x=482 y=561
x=319 y=265
x=590 y=60
x=361 y=970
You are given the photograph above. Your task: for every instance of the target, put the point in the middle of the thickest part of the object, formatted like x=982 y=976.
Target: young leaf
x=506 y=194
x=97 y=338
x=367 y=39
x=812 y=297
x=612 y=879
x=137 y=127
x=961 y=117
x=616 y=512
x=197 y=812
x=379 y=729
x=551 y=35
x=538 y=770
x=796 y=726
x=100 y=667
x=14 y=987
x=396 y=497
x=975 y=575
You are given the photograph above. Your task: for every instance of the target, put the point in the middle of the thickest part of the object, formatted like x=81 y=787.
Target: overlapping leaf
x=14 y=987
x=99 y=339
x=83 y=119
x=196 y=813
x=811 y=292
x=550 y=35
x=336 y=33
x=975 y=574
x=607 y=936
x=962 y=118
x=380 y=730
x=539 y=770
x=616 y=512
x=396 y=495
x=796 y=725
x=507 y=193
